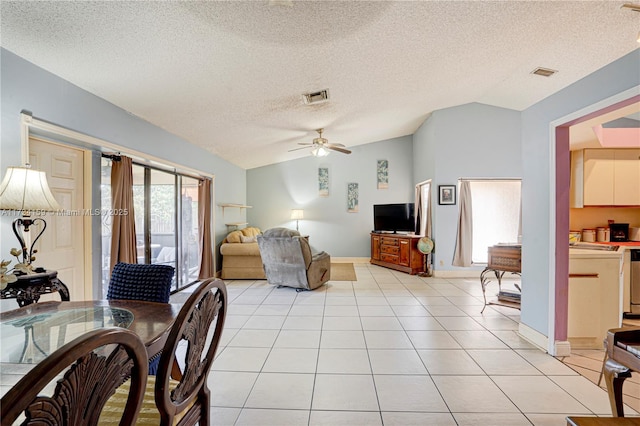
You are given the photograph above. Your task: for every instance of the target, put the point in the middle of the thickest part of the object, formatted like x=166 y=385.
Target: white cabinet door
x=598 y=177
x=595 y=297
x=626 y=184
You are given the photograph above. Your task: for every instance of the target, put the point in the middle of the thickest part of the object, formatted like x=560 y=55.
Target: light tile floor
x=391 y=349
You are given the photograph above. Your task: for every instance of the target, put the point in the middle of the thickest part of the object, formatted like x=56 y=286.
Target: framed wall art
x=383 y=174
x=323 y=181
x=352 y=197
x=447 y=194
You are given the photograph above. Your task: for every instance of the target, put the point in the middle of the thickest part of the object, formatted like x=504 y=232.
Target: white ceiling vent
x=316 y=97
x=544 y=72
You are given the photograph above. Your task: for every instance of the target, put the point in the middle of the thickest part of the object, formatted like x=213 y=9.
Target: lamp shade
x=26 y=189
x=297 y=214
x=320 y=152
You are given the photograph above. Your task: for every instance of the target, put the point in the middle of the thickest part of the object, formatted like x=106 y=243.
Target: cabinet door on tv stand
x=375 y=247
x=405 y=252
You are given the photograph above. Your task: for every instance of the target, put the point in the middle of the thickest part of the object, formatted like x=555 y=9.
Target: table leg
x=61 y=288
x=483 y=282
x=614 y=376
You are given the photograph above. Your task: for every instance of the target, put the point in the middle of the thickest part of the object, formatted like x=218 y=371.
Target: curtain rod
x=118 y=157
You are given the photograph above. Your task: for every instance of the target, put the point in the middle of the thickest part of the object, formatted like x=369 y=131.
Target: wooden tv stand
x=397 y=251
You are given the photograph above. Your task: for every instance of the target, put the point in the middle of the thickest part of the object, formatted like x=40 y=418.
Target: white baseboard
x=350 y=259
x=561 y=348
x=533 y=336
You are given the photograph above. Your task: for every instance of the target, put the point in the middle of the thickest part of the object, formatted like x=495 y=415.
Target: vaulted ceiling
x=229 y=76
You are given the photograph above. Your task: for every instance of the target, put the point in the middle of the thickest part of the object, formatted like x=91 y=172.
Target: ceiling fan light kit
x=320 y=147
x=319 y=152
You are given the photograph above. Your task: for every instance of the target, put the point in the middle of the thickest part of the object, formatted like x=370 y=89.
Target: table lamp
x=26 y=190
x=297 y=214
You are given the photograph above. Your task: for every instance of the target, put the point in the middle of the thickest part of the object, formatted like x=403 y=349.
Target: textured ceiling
x=228 y=76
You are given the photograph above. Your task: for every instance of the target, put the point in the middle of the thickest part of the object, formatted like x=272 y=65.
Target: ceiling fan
x=320 y=147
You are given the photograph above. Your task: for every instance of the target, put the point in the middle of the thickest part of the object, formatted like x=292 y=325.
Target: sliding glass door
x=166 y=220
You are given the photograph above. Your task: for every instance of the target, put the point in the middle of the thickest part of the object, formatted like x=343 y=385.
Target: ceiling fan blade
x=338 y=144
x=337 y=148
x=305 y=143
x=298 y=149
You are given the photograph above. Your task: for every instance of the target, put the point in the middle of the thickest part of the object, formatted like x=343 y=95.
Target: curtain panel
x=123 y=233
x=464 y=240
x=204 y=230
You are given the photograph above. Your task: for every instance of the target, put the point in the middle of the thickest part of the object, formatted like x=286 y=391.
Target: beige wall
x=592 y=217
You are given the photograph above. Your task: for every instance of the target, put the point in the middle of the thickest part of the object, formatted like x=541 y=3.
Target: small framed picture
x=447 y=194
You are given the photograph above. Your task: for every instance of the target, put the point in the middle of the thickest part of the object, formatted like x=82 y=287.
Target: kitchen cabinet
x=605 y=177
x=595 y=297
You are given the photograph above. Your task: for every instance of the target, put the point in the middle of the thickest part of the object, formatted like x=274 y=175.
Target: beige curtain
x=423 y=204
x=418 y=209
x=204 y=229
x=464 y=240
x=123 y=233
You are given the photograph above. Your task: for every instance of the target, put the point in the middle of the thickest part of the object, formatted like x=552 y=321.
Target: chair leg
x=614 y=376
x=604 y=361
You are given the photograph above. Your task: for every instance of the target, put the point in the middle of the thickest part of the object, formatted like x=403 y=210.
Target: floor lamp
x=297 y=214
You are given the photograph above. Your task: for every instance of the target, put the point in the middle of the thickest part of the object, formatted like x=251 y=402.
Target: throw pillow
x=234 y=237
x=248 y=239
x=250 y=231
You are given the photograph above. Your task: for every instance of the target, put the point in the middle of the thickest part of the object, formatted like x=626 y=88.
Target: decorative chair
x=178 y=394
x=289 y=260
x=139 y=281
x=91 y=378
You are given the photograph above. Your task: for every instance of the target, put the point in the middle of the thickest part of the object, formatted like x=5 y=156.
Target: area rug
x=343 y=272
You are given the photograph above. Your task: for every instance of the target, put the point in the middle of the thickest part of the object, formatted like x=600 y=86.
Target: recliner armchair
x=289 y=260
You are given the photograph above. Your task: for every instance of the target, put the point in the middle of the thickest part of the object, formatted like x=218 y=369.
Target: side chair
x=178 y=394
x=91 y=376
x=139 y=281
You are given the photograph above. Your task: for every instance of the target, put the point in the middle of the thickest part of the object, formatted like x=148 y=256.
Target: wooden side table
x=502 y=259
x=30 y=287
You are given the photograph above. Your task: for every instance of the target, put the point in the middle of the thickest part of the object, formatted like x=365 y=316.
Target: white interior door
x=61 y=247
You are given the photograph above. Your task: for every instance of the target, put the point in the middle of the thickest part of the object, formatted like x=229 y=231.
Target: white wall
x=472 y=141
x=276 y=189
x=25 y=86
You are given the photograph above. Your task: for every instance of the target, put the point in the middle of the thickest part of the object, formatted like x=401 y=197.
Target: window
x=495 y=214
x=166 y=220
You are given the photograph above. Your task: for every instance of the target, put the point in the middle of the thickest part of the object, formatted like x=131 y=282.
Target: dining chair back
x=92 y=373
x=182 y=397
x=139 y=281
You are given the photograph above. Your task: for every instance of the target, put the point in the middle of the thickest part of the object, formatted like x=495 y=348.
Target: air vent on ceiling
x=545 y=72
x=316 y=97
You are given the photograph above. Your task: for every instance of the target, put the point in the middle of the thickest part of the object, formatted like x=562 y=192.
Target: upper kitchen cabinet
x=605 y=177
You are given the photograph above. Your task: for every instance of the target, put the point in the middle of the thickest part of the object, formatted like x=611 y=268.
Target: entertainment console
x=396 y=251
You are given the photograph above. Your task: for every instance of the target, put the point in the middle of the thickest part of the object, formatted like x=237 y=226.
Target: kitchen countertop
x=578 y=253
x=621 y=243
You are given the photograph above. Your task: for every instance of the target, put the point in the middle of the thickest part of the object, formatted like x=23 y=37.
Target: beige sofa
x=241 y=256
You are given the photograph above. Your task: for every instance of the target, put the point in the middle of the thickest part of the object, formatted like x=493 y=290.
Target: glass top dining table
x=31 y=333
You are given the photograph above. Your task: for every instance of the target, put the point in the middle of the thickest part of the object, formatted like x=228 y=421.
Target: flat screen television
x=394 y=218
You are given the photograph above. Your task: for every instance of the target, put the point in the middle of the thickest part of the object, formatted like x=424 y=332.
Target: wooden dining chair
x=92 y=372
x=178 y=394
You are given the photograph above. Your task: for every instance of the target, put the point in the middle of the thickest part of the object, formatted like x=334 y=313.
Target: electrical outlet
x=442 y=263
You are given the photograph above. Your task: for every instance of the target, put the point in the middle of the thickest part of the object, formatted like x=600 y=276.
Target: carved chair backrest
x=92 y=372
x=191 y=345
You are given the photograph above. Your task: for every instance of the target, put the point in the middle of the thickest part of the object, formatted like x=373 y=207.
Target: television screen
x=394 y=217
